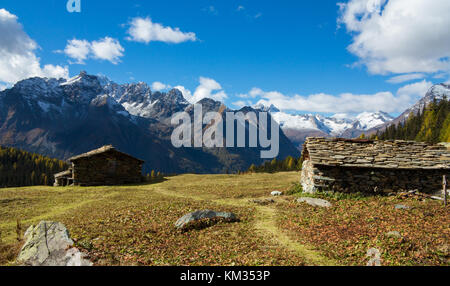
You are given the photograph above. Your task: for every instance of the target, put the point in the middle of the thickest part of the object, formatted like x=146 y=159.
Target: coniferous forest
x=20 y=168
x=430 y=125
x=287 y=165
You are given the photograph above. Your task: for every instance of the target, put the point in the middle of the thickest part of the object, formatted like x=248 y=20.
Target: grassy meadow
x=134 y=225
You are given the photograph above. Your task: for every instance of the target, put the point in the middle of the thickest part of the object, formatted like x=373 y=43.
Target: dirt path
x=266 y=225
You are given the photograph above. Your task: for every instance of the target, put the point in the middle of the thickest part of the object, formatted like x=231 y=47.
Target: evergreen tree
x=20 y=168
x=431 y=124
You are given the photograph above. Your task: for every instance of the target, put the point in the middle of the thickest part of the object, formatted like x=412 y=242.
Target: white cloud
x=143 y=30
x=78 y=49
x=108 y=49
x=187 y=94
x=399 y=36
x=158 y=86
x=208 y=88
x=239 y=103
x=406 y=77
x=3 y=87
x=415 y=90
x=347 y=102
x=253 y=93
x=240 y=8
x=17 y=53
x=242 y=103
x=212 y=10
x=55 y=71
x=205 y=90
x=440 y=75
x=444 y=77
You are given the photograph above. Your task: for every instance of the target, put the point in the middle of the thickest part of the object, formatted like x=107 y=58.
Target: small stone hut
x=100 y=167
x=345 y=165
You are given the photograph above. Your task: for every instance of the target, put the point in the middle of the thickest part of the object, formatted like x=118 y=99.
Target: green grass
x=134 y=225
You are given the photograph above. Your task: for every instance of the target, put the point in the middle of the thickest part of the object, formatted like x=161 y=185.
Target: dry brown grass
x=346 y=231
x=134 y=225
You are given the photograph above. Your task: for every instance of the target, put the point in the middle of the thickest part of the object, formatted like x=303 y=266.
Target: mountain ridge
x=437 y=91
x=62 y=118
x=300 y=126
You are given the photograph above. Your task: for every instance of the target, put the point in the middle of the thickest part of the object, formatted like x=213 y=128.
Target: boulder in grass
x=315 y=202
x=276 y=193
x=206 y=215
x=49 y=244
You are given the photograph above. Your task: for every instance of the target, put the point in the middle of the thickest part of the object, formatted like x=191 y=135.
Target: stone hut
x=373 y=166
x=100 y=167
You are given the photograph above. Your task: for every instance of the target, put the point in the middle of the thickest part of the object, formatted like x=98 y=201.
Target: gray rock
x=276 y=193
x=374 y=256
x=402 y=207
x=315 y=202
x=205 y=214
x=49 y=244
x=394 y=234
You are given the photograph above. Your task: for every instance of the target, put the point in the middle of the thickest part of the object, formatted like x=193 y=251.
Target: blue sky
x=281 y=50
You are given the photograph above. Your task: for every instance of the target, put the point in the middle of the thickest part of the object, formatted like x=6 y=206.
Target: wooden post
x=444 y=186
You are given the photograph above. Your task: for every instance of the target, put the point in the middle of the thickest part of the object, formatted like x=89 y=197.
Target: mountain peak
x=265 y=108
x=437 y=91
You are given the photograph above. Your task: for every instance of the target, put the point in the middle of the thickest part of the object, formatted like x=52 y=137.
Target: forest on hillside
x=20 y=168
x=432 y=125
x=274 y=166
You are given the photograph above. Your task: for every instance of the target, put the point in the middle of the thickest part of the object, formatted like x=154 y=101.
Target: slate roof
x=375 y=154
x=104 y=149
x=64 y=174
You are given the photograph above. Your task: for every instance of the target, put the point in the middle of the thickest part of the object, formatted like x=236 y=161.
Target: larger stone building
x=103 y=166
x=373 y=166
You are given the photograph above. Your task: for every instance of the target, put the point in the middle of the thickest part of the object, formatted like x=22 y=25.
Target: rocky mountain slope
x=298 y=127
x=62 y=118
x=436 y=92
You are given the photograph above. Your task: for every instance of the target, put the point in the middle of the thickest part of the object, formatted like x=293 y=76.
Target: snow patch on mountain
x=334 y=125
x=138 y=100
x=369 y=120
x=135 y=99
x=436 y=92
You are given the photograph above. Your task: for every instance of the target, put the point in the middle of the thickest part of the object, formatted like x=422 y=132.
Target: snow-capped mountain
x=334 y=126
x=436 y=92
x=369 y=120
x=298 y=127
x=139 y=100
x=62 y=118
x=55 y=96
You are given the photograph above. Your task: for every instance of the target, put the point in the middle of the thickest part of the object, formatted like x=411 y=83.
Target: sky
x=318 y=56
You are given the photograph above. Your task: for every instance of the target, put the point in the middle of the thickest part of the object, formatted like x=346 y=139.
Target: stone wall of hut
x=370 y=180
x=107 y=169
